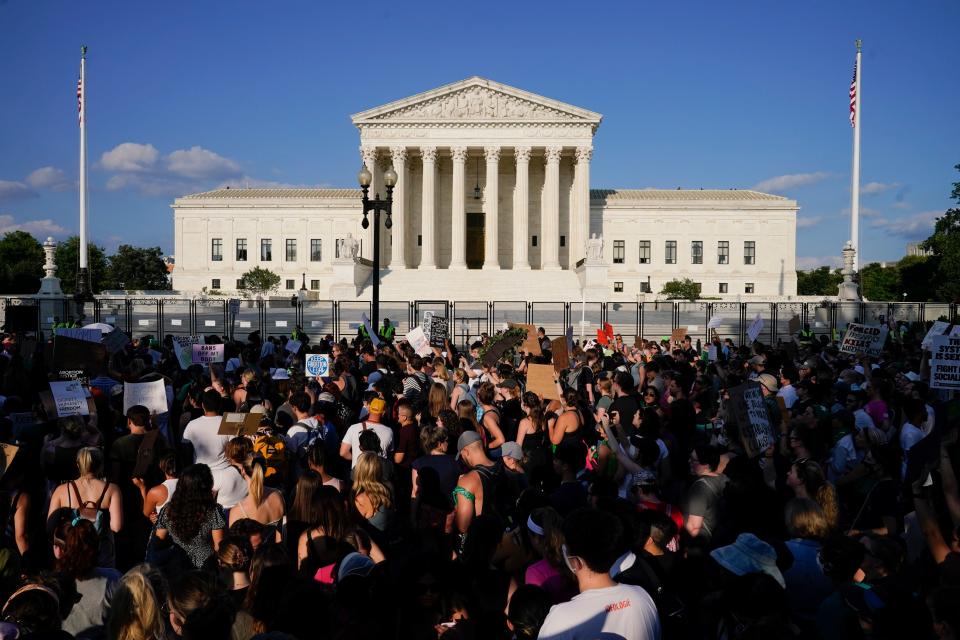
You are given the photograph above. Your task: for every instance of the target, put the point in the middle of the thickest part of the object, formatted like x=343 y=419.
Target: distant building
x=916 y=249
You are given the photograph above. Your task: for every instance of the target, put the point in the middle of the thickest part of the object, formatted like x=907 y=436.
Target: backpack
x=273 y=449
x=88 y=510
x=573 y=379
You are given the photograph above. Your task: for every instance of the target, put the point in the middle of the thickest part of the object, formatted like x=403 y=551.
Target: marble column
x=458 y=247
x=398 y=257
x=369 y=155
x=580 y=217
x=428 y=249
x=521 y=210
x=491 y=200
x=550 y=211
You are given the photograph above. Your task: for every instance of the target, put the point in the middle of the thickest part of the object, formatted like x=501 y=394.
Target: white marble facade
x=459 y=234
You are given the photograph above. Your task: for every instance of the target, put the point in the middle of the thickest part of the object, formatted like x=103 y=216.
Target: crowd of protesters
x=409 y=496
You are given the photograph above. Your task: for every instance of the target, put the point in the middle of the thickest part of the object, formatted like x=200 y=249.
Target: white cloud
x=873 y=188
x=130 y=156
x=247 y=182
x=914 y=226
x=37 y=228
x=10 y=191
x=197 y=162
x=48 y=178
x=790 y=181
x=813 y=262
x=806 y=223
x=152 y=185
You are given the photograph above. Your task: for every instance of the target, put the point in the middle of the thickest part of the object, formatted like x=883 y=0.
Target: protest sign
x=207 y=353
x=954 y=331
x=152 y=395
x=865 y=339
x=317 y=365
x=239 y=424
x=502 y=343
x=425 y=323
x=183 y=349
x=374 y=338
x=70 y=354
x=530 y=344
x=938 y=329
x=712 y=353
x=793 y=325
x=293 y=346
x=21 y=420
x=540 y=381
x=115 y=341
x=69 y=398
x=439 y=331
x=755 y=329
x=715 y=322
x=89 y=335
x=418 y=340
x=750 y=409
x=945 y=362
x=677 y=335
x=561 y=356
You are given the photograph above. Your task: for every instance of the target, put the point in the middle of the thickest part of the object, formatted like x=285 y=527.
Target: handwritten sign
x=374 y=338
x=540 y=381
x=945 y=362
x=531 y=344
x=677 y=335
x=69 y=398
x=207 y=353
x=183 y=349
x=560 y=353
x=861 y=338
x=239 y=424
x=755 y=329
x=318 y=364
x=756 y=431
x=715 y=322
x=439 y=331
x=418 y=340
x=938 y=329
x=89 y=335
x=152 y=395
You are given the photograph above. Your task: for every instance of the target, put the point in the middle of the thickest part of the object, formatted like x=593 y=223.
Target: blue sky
x=185 y=96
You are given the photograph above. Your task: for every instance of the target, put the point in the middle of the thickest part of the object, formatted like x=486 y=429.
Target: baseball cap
x=757 y=360
x=377 y=405
x=511 y=450
x=768 y=381
x=466 y=439
x=354 y=564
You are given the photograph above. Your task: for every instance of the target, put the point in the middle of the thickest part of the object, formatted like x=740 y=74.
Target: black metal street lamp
x=378 y=206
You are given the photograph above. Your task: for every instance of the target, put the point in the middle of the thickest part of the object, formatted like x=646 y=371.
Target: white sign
x=176 y=322
x=70 y=398
x=418 y=340
x=938 y=329
x=207 y=353
x=370 y=332
x=945 y=362
x=425 y=323
x=244 y=324
x=151 y=395
x=693 y=328
x=183 y=349
x=861 y=338
x=755 y=329
x=88 y=335
x=110 y=319
x=293 y=346
x=209 y=323
x=955 y=331
x=316 y=323
x=143 y=323
x=280 y=323
x=318 y=364
x=712 y=353
x=715 y=322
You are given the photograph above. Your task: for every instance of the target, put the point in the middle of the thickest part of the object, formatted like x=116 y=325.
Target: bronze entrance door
x=474 y=240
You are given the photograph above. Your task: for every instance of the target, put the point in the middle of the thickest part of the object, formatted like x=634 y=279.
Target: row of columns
x=549 y=210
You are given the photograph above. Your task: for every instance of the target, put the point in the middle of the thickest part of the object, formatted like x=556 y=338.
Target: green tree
x=918 y=278
x=945 y=245
x=21 y=263
x=880 y=283
x=818 y=282
x=137 y=268
x=68 y=261
x=259 y=281
x=685 y=289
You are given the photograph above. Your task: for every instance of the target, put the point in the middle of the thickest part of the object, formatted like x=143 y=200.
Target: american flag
x=80 y=99
x=853 y=97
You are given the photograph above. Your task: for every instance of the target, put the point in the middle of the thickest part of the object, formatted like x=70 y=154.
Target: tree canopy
x=137 y=268
x=259 y=281
x=685 y=289
x=21 y=263
x=945 y=245
x=68 y=261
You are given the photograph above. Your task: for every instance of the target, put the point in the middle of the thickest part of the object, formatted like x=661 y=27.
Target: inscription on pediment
x=476 y=103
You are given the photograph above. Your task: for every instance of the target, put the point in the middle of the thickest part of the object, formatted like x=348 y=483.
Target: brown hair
x=805 y=519
x=432 y=436
x=486 y=393
x=235 y=553
x=309 y=483
x=817 y=487
x=237 y=450
x=81 y=546
x=437 y=399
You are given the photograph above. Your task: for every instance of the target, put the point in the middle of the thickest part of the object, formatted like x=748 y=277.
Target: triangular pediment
x=476 y=100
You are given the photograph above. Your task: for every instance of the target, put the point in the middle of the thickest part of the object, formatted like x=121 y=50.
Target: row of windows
x=696 y=252
x=723 y=287
x=290 y=284
x=266 y=250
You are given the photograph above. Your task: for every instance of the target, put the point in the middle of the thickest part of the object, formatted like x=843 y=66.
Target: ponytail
x=254 y=466
x=827 y=499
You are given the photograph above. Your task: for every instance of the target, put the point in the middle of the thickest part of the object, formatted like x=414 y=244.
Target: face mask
x=568 y=560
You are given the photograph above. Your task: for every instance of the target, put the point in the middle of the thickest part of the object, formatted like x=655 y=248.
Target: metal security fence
x=160 y=316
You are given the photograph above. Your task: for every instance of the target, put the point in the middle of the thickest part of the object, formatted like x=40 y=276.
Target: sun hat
x=768 y=381
x=748 y=554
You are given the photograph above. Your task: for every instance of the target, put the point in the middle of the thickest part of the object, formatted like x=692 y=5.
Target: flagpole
x=855 y=177
x=83 y=287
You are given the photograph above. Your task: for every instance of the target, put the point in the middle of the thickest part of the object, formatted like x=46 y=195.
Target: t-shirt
x=620 y=611
x=352 y=437
x=789 y=395
x=445 y=466
x=909 y=436
x=544 y=575
x=704 y=499
x=626 y=406
x=95 y=592
x=208 y=445
x=408 y=443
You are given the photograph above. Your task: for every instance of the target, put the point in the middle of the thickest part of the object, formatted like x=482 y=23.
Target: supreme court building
x=493 y=202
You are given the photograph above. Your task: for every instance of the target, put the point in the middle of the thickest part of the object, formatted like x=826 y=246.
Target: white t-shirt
x=208 y=449
x=352 y=437
x=298 y=435
x=789 y=395
x=909 y=436
x=620 y=611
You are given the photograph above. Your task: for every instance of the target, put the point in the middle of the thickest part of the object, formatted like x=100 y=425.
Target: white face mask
x=568 y=559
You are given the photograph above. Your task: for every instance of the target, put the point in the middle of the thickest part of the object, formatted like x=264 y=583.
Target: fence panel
x=113 y=311
x=848 y=312
x=399 y=314
x=210 y=317
x=280 y=317
x=349 y=318
x=470 y=319
x=693 y=316
x=726 y=315
x=176 y=316
x=765 y=311
x=820 y=317
x=550 y=316
x=909 y=312
x=875 y=313
x=247 y=319
x=785 y=312
x=656 y=320
x=144 y=317
x=318 y=319
x=624 y=318
x=590 y=313
x=504 y=312
x=933 y=311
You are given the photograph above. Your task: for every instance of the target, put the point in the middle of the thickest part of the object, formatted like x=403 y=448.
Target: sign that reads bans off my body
x=945 y=363
x=861 y=338
x=207 y=353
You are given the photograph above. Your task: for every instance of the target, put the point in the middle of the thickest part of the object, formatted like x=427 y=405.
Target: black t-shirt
x=627 y=407
x=444 y=466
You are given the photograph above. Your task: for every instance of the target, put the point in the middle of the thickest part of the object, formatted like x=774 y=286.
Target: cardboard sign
x=183 y=349
x=755 y=329
x=793 y=325
x=374 y=338
x=945 y=362
x=239 y=424
x=561 y=356
x=9 y=453
x=938 y=329
x=89 y=335
x=69 y=398
x=293 y=346
x=677 y=335
x=530 y=344
x=70 y=354
x=439 y=331
x=418 y=340
x=861 y=338
x=756 y=431
x=115 y=341
x=152 y=395
x=317 y=365
x=715 y=322
x=492 y=355
x=207 y=353
x=540 y=381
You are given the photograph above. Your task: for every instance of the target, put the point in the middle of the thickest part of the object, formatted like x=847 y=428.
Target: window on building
x=291 y=250
x=618 y=287
x=216 y=249
x=671 y=252
x=723 y=287
x=315 y=285
x=723 y=252
x=619 y=249
x=563 y=241
x=644 y=252
x=241 y=249
x=644 y=287
x=533 y=241
x=696 y=252
x=291 y=284
x=748 y=287
x=749 y=252
x=266 y=250
x=316 y=250
x=699 y=287
x=419 y=240
x=215 y=283
x=239 y=284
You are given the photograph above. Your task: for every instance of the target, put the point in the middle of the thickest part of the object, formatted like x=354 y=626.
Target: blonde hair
x=440 y=370
x=460 y=376
x=605 y=384
x=817 y=488
x=90 y=461
x=135 y=612
x=253 y=467
x=368 y=480
x=805 y=519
